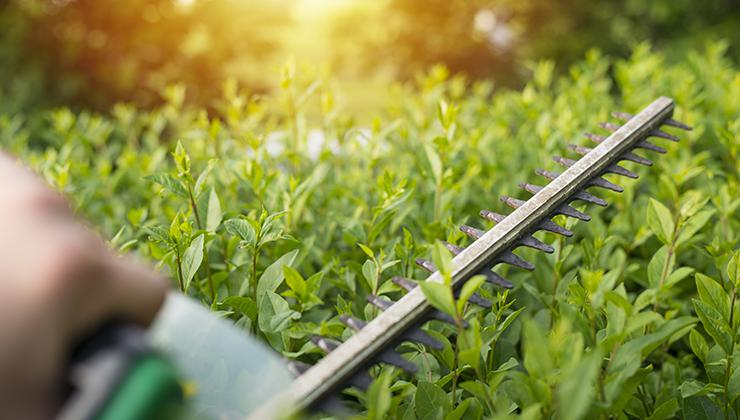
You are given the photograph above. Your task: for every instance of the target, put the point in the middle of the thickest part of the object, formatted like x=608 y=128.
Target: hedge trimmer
x=346 y=364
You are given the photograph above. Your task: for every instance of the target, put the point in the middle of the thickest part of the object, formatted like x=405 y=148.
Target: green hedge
x=610 y=325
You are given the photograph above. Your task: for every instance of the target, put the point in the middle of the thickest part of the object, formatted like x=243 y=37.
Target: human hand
x=59 y=283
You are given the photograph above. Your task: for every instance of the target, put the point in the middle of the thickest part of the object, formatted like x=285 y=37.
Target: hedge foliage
x=281 y=213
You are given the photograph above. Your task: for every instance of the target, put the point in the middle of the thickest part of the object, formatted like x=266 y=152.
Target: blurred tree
x=94 y=52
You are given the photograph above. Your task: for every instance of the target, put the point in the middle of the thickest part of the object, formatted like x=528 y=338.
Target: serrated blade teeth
x=637 y=159
x=553 y=227
x=663 y=135
x=616 y=169
x=326 y=345
x=569 y=211
x=441 y=316
x=594 y=137
x=624 y=116
x=404 y=283
x=511 y=258
x=609 y=126
x=393 y=358
x=360 y=380
x=496 y=279
x=352 y=322
x=579 y=149
x=378 y=302
x=531 y=188
x=547 y=174
x=589 y=198
x=512 y=202
x=644 y=144
x=535 y=243
x=418 y=336
x=297 y=368
x=678 y=124
x=426 y=265
x=564 y=161
x=602 y=183
x=471 y=231
x=494 y=217
x=454 y=249
x=477 y=299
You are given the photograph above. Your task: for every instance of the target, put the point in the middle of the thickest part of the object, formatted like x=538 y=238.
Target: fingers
x=139 y=290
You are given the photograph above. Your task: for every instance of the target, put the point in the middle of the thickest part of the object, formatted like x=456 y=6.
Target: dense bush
x=634 y=318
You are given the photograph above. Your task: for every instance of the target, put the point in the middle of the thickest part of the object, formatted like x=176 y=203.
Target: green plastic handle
x=149 y=390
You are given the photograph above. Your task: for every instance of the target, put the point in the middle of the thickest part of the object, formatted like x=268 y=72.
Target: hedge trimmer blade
x=374 y=342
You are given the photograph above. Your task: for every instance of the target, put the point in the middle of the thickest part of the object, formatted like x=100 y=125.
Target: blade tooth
x=644 y=144
x=297 y=368
x=637 y=159
x=531 y=188
x=454 y=249
x=326 y=345
x=352 y=322
x=511 y=258
x=496 y=279
x=333 y=405
x=379 y=303
x=569 y=211
x=564 y=161
x=535 y=243
x=494 y=217
x=419 y=336
x=426 y=265
x=512 y=202
x=678 y=124
x=594 y=137
x=441 y=316
x=361 y=380
x=553 y=227
x=579 y=149
x=609 y=126
x=477 y=299
x=663 y=135
x=602 y=183
x=547 y=174
x=404 y=283
x=393 y=358
x=624 y=116
x=471 y=231
x=616 y=169
x=589 y=198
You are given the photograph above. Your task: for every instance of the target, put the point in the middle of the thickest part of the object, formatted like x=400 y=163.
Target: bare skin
x=58 y=283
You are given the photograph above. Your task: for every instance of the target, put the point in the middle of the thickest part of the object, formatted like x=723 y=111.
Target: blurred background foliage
x=95 y=53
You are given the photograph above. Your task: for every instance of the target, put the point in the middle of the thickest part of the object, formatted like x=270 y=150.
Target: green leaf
x=701 y=408
x=182 y=160
x=369 y=252
x=714 y=324
x=429 y=399
x=370 y=273
x=577 y=390
x=660 y=221
x=693 y=225
x=243 y=229
x=459 y=412
x=733 y=269
x=275 y=314
x=191 y=260
x=379 y=397
x=665 y=410
x=698 y=345
x=440 y=296
x=656 y=266
x=244 y=305
x=733 y=386
x=215 y=215
x=273 y=276
x=169 y=183
x=443 y=260
x=434 y=162
x=470 y=287
x=712 y=293
x=295 y=281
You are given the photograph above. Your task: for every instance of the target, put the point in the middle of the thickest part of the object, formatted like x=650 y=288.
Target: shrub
x=281 y=213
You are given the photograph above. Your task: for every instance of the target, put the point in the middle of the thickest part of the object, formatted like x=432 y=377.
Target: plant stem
x=728 y=369
x=179 y=269
x=205 y=248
